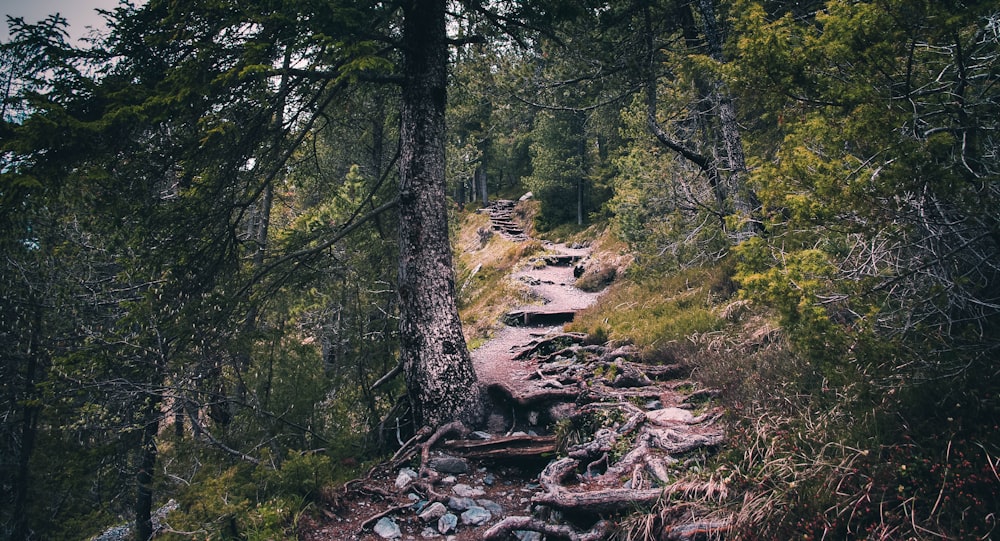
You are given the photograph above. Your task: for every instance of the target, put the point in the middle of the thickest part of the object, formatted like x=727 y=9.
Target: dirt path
x=553 y=285
x=578 y=431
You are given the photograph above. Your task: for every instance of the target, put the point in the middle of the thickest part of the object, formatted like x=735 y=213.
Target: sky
x=79 y=13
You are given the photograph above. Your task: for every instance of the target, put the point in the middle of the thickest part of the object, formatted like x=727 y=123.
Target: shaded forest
x=231 y=273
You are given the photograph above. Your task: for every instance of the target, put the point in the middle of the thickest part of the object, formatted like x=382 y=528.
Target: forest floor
x=580 y=437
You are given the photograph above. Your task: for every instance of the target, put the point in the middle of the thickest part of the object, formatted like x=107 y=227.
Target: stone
x=460 y=504
x=405 y=477
x=448 y=464
x=449 y=480
x=489 y=479
x=669 y=416
x=475 y=516
x=386 y=528
x=527 y=535
x=493 y=507
x=429 y=533
x=465 y=491
x=447 y=523
x=480 y=435
x=433 y=511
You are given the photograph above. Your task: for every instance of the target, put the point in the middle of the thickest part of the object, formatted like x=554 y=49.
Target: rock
x=493 y=507
x=654 y=405
x=475 y=516
x=489 y=479
x=429 y=533
x=480 y=435
x=449 y=480
x=447 y=523
x=433 y=511
x=669 y=416
x=405 y=477
x=460 y=504
x=386 y=528
x=448 y=464
x=466 y=491
x=527 y=535
x=526 y=196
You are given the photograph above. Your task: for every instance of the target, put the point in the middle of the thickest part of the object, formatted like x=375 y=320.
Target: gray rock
x=449 y=480
x=474 y=516
x=447 y=523
x=433 y=511
x=405 y=477
x=460 y=504
x=493 y=507
x=386 y=528
x=466 y=491
x=429 y=533
x=489 y=479
x=449 y=464
x=527 y=535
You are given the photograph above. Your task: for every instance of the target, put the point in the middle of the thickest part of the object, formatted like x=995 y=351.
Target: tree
x=441 y=381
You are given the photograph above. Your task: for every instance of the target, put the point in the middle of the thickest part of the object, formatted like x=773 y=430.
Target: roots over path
x=583 y=440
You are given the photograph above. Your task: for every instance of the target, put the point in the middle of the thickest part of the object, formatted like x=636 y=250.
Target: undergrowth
x=823 y=444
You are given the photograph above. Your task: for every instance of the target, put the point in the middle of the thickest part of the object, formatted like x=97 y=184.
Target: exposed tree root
x=627 y=433
x=508 y=525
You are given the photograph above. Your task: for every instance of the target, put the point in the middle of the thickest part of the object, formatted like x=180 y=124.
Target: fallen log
x=504 y=447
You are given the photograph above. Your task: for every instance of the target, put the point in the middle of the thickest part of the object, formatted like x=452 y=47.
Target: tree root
x=505 y=527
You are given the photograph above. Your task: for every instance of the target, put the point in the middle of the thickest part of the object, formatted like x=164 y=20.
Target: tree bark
x=441 y=381
x=741 y=198
x=144 y=474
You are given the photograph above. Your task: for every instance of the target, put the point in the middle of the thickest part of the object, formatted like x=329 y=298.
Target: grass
x=659 y=314
x=483 y=261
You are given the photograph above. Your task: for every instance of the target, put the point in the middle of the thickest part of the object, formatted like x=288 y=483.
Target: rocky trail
x=580 y=436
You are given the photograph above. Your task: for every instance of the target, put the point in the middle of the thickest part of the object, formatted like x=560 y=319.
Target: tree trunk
x=29 y=429
x=741 y=200
x=481 y=182
x=144 y=475
x=440 y=378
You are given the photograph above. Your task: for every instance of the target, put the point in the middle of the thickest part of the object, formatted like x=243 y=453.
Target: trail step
x=530 y=318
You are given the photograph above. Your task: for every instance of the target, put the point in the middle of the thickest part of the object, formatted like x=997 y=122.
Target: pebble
x=428 y=533
x=493 y=507
x=475 y=516
x=489 y=479
x=527 y=535
x=460 y=504
x=433 y=511
x=465 y=491
x=447 y=523
x=449 y=464
x=405 y=477
x=386 y=528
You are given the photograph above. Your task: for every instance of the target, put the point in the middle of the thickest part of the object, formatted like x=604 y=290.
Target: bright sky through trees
x=80 y=13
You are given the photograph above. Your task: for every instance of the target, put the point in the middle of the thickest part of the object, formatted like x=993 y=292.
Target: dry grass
x=484 y=262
